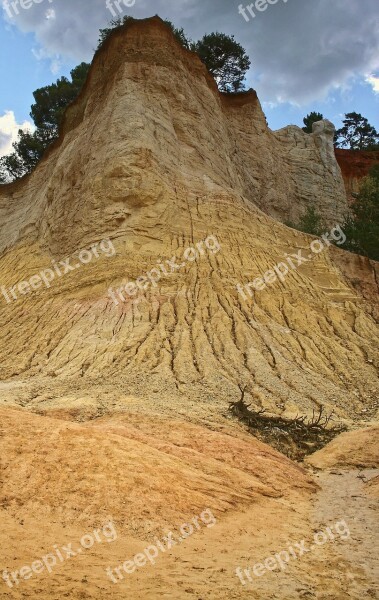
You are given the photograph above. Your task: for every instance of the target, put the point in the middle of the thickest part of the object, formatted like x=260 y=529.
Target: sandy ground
x=343 y=495
x=204 y=565
x=60 y=480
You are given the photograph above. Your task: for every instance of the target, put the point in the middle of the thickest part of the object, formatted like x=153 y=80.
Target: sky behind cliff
x=306 y=54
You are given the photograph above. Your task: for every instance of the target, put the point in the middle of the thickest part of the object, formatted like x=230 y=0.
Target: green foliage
x=372 y=146
x=3 y=173
x=362 y=227
x=10 y=168
x=308 y=121
x=50 y=103
x=114 y=24
x=311 y=222
x=29 y=150
x=180 y=35
x=225 y=59
x=356 y=133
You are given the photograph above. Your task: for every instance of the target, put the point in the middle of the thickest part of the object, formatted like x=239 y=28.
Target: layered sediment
x=154 y=158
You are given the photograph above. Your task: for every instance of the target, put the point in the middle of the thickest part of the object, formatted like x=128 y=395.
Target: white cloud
x=55 y=61
x=9 y=131
x=50 y=14
x=374 y=82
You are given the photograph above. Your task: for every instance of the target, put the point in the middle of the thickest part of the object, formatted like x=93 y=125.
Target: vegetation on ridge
x=224 y=58
x=357 y=133
x=308 y=121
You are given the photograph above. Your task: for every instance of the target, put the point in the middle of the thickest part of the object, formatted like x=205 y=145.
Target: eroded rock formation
x=115 y=383
x=153 y=157
x=315 y=174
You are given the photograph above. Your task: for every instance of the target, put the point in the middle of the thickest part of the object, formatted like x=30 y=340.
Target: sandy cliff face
x=153 y=108
x=153 y=157
x=314 y=172
x=114 y=405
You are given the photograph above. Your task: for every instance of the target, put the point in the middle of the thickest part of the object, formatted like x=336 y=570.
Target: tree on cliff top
x=308 y=121
x=51 y=101
x=225 y=59
x=180 y=35
x=362 y=227
x=356 y=133
x=115 y=23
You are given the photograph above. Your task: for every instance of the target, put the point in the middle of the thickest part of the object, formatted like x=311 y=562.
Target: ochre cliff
x=153 y=157
x=161 y=201
x=355 y=165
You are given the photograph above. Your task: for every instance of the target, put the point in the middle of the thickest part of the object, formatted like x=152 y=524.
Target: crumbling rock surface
x=119 y=410
x=155 y=158
x=312 y=167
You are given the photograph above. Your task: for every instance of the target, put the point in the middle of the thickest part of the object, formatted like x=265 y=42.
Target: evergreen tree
x=51 y=102
x=362 y=227
x=308 y=121
x=225 y=59
x=356 y=133
x=311 y=222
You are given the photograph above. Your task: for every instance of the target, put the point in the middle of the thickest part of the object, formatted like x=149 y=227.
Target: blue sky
x=359 y=97
x=21 y=71
x=306 y=54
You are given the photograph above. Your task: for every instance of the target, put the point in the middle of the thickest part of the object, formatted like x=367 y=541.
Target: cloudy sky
x=306 y=54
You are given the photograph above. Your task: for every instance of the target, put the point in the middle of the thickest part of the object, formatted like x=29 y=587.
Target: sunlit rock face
x=154 y=158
